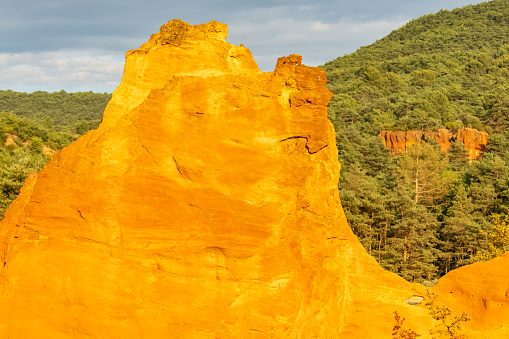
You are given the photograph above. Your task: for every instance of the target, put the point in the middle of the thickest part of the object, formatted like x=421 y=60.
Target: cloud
x=112 y=25
x=53 y=71
x=84 y=70
x=79 y=44
x=99 y=70
x=317 y=41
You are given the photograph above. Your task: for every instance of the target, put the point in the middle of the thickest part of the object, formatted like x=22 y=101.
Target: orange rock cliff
x=474 y=141
x=206 y=206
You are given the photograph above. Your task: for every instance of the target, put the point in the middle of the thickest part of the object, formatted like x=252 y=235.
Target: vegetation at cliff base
x=34 y=126
x=446 y=324
x=425 y=212
x=399 y=332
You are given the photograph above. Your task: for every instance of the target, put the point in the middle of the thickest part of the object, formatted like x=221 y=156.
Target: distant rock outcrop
x=474 y=141
x=205 y=206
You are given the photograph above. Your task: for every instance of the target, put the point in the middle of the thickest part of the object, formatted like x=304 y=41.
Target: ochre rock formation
x=482 y=291
x=474 y=141
x=205 y=206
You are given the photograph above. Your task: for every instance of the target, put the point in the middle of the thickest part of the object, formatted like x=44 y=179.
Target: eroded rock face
x=205 y=206
x=482 y=291
x=474 y=141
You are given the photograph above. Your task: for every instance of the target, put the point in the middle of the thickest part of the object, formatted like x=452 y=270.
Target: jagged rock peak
x=178 y=50
x=176 y=31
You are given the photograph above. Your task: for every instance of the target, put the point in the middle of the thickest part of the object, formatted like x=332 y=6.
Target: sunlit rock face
x=482 y=291
x=205 y=206
x=475 y=141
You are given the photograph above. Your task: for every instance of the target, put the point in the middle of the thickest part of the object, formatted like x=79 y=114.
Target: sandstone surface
x=474 y=140
x=204 y=206
x=482 y=291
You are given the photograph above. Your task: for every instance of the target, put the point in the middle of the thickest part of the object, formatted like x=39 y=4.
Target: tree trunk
x=416 y=182
x=405 y=253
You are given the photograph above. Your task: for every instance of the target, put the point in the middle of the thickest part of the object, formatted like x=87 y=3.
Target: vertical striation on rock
x=474 y=141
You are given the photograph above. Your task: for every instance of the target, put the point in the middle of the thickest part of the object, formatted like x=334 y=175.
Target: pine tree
x=422 y=168
x=460 y=234
x=498 y=237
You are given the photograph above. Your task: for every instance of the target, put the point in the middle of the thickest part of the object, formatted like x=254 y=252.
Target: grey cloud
x=34 y=32
x=53 y=71
x=316 y=41
x=31 y=25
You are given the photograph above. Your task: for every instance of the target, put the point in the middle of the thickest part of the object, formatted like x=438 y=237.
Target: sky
x=79 y=45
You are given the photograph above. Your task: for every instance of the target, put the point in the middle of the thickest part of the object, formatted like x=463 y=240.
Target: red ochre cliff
x=474 y=141
x=206 y=206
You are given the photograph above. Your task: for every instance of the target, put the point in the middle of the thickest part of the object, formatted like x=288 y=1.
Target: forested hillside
x=74 y=110
x=35 y=125
x=426 y=212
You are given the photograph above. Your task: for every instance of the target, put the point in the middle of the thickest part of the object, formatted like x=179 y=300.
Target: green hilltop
x=64 y=109
x=448 y=69
x=426 y=212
